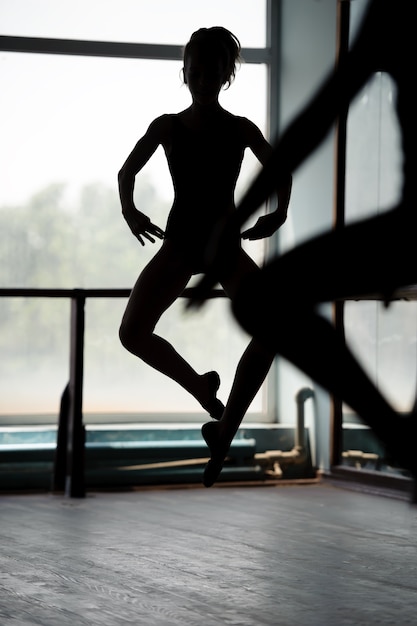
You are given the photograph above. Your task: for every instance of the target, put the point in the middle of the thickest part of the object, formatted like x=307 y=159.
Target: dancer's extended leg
x=252 y=369
x=250 y=373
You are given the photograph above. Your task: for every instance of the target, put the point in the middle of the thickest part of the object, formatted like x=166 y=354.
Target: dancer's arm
x=268 y=224
x=139 y=223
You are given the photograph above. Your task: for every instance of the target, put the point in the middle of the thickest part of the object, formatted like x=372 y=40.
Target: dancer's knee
x=125 y=335
x=133 y=337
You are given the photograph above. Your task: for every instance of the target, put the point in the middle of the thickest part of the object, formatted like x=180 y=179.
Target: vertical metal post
x=274 y=45
x=343 y=24
x=60 y=460
x=75 y=480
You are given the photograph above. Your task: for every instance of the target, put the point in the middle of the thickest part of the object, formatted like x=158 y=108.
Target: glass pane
x=67 y=125
x=385 y=341
x=34 y=368
x=373 y=163
x=137 y=21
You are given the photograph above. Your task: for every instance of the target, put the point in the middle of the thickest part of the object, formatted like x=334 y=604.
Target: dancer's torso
x=204 y=166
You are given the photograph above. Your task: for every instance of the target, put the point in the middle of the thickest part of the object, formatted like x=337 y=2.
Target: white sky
x=75 y=119
x=145 y=21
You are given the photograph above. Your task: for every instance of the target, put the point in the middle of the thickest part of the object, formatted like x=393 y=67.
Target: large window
x=383 y=338
x=67 y=124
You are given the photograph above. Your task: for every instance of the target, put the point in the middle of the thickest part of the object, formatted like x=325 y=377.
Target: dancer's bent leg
x=251 y=371
x=158 y=286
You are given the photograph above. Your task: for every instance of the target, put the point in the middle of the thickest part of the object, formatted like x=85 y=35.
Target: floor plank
x=232 y=556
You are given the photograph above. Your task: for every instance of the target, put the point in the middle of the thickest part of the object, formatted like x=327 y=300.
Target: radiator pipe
x=273 y=460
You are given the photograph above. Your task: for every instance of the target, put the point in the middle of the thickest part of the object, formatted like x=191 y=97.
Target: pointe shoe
x=211 y=473
x=218 y=453
x=214 y=407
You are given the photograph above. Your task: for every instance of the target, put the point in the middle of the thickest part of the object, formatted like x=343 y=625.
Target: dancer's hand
x=142 y=227
x=266 y=225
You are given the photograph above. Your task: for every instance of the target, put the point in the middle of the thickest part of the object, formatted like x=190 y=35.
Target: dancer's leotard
x=204 y=166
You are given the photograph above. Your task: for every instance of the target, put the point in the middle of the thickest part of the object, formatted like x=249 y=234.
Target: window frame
x=270 y=56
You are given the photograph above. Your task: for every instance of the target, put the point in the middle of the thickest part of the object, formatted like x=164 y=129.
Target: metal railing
x=69 y=464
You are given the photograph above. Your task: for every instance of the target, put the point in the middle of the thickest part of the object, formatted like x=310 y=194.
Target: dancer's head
x=210 y=60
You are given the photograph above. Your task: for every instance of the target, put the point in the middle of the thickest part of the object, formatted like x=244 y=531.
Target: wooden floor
x=313 y=555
